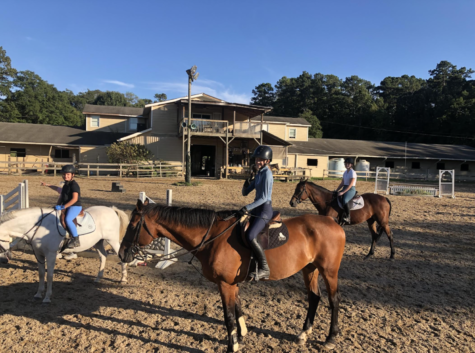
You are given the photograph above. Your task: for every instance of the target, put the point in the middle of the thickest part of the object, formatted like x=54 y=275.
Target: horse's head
x=300 y=193
x=137 y=235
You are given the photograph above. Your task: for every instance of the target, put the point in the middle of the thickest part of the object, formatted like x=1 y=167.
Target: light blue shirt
x=263 y=183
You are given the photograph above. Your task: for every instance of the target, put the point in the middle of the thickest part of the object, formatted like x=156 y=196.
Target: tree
x=7 y=74
x=263 y=95
x=316 y=128
x=111 y=98
x=131 y=98
x=128 y=153
x=160 y=97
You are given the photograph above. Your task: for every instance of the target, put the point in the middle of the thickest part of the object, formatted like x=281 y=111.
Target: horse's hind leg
x=310 y=277
x=374 y=236
x=389 y=233
x=41 y=275
x=101 y=251
x=241 y=324
x=228 y=297
x=331 y=282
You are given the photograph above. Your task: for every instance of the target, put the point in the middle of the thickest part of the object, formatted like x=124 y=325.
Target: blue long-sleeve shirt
x=263 y=184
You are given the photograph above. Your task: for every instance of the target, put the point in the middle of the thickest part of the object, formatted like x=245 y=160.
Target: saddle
x=355 y=203
x=75 y=220
x=274 y=234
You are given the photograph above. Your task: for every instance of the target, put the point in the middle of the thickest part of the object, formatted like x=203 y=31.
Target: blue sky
x=146 y=46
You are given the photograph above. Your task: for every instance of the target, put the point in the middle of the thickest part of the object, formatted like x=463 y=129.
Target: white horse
x=39 y=227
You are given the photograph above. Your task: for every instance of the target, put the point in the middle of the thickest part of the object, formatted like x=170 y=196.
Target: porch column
x=262 y=125
x=227 y=154
x=234 y=121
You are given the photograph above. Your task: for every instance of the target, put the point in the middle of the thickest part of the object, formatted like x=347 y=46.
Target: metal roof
x=54 y=135
x=112 y=110
x=395 y=150
x=283 y=119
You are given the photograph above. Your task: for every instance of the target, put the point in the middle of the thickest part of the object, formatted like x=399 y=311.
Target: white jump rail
x=16 y=199
x=162 y=245
x=447 y=188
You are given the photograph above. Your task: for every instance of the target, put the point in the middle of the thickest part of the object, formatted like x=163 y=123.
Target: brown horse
x=376 y=210
x=315 y=245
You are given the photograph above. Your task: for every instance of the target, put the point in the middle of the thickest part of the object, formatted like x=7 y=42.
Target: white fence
x=160 y=246
x=446 y=187
x=16 y=199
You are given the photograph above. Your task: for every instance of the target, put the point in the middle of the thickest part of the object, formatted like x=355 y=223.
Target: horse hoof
x=300 y=341
x=329 y=345
x=37 y=298
x=367 y=257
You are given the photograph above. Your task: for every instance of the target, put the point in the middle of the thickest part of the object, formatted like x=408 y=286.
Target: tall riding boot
x=347 y=218
x=73 y=243
x=263 y=271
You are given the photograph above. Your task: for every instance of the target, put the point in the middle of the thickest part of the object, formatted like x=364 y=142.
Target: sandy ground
x=423 y=301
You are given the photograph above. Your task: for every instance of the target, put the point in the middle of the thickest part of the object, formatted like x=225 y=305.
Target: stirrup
x=255 y=276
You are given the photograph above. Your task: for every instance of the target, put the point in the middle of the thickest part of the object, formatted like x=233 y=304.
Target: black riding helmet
x=264 y=152
x=68 y=169
x=349 y=160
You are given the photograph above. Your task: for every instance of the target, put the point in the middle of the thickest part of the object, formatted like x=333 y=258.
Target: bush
x=128 y=153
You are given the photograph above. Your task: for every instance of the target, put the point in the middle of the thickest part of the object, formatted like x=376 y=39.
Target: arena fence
x=16 y=199
x=160 y=246
x=445 y=187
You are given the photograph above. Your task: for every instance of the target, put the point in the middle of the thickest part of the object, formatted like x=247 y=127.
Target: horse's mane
x=184 y=216
x=7 y=216
x=321 y=188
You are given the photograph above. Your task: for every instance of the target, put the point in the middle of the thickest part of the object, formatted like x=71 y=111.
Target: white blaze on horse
x=42 y=230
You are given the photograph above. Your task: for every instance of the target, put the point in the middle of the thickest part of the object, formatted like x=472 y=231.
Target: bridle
x=299 y=197
x=139 y=252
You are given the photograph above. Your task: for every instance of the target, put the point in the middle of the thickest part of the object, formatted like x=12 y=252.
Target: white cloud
x=119 y=83
x=213 y=88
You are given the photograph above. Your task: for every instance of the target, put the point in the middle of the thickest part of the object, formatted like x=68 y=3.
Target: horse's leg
x=41 y=273
x=50 y=261
x=115 y=244
x=241 y=324
x=228 y=296
x=310 y=277
x=331 y=281
x=389 y=233
x=101 y=251
x=374 y=236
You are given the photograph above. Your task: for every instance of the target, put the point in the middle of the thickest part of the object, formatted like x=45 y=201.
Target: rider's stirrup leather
x=263 y=271
x=73 y=243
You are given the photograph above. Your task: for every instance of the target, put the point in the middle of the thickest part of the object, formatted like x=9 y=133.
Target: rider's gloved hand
x=242 y=212
x=59 y=207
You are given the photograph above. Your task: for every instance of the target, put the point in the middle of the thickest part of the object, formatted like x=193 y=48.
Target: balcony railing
x=206 y=126
x=249 y=129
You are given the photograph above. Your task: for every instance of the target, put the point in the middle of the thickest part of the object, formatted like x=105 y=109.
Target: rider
x=261 y=208
x=70 y=200
x=347 y=188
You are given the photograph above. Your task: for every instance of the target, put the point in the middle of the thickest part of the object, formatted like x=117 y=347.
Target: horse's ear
x=146 y=202
x=139 y=205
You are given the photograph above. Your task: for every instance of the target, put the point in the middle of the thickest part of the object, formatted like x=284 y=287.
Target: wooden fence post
x=120 y=170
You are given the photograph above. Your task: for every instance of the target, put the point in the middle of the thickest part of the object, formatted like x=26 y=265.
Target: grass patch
x=184 y=183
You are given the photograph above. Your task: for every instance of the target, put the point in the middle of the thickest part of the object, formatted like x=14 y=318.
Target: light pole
x=191 y=77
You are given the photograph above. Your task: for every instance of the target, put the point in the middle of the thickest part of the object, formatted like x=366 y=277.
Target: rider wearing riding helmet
x=347 y=188
x=70 y=200
x=261 y=208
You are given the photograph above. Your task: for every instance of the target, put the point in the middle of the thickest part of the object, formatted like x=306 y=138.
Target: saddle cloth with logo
x=84 y=225
x=355 y=203
x=274 y=234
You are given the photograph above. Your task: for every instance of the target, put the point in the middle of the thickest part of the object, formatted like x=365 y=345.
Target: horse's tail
x=124 y=221
x=390 y=206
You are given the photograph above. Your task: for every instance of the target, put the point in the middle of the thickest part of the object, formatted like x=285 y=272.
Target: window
x=312 y=162
x=201 y=116
x=133 y=124
x=389 y=164
x=440 y=165
x=464 y=167
x=292 y=133
x=95 y=121
x=416 y=165
x=17 y=152
x=61 y=154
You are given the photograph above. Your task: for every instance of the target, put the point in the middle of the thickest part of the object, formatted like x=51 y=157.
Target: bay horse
x=315 y=245
x=39 y=228
x=376 y=210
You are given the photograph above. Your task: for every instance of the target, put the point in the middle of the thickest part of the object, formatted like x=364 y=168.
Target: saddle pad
x=86 y=225
x=355 y=203
x=277 y=236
